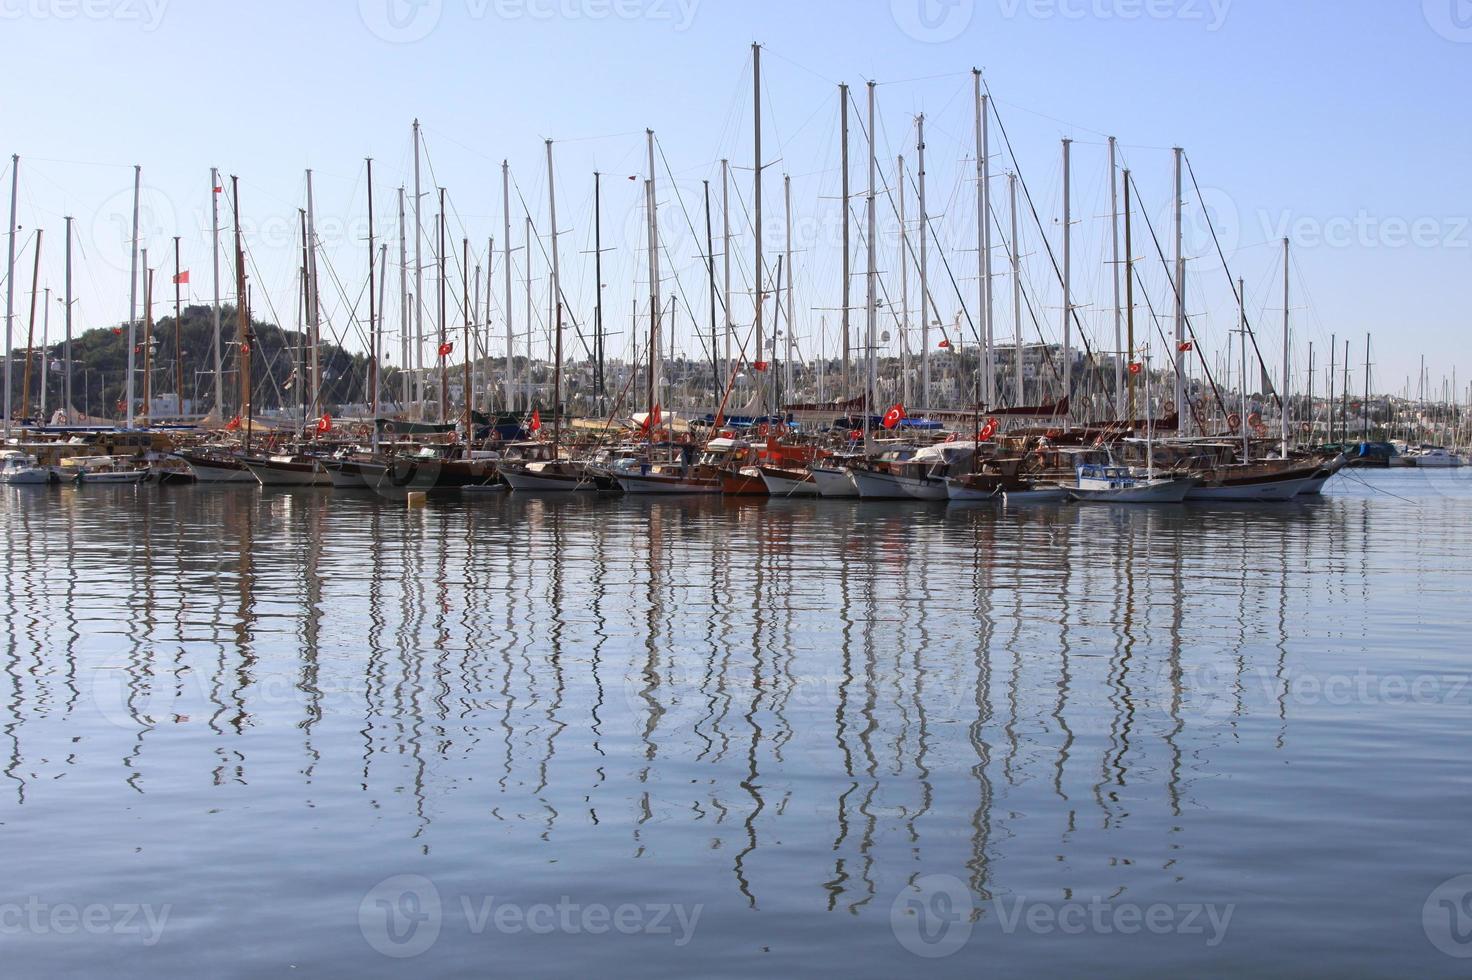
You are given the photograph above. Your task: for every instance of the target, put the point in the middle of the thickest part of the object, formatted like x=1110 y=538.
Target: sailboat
x=1116 y=484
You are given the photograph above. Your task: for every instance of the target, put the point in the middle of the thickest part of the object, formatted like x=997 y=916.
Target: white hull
x=26 y=478
x=1157 y=492
x=834 y=482
x=133 y=476
x=667 y=485
x=220 y=474
x=779 y=486
x=887 y=486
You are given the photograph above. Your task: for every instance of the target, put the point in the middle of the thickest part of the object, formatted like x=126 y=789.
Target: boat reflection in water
x=793 y=714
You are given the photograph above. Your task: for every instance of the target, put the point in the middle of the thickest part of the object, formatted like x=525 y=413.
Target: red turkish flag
x=536 y=423
x=182 y=279
x=445 y=349
x=1135 y=368
x=1185 y=346
x=894 y=416
x=324 y=424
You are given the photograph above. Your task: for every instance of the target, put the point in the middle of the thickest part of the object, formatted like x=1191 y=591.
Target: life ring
x=1169 y=408
x=1234 y=422
x=388 y=428
x=1255 y=421
x=764 y=430
x=952 y=437
x=1307 y=428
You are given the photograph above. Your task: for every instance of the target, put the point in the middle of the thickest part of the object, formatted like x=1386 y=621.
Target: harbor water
x=257 y=732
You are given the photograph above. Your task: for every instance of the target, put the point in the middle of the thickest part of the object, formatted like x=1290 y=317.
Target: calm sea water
x=254 y=732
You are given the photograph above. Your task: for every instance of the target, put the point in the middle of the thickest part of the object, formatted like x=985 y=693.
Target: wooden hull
x=549 y=479
x=654 y=483
x=743 y=484
x=293 y=473
x=892 y=486
x=127 y=476
x=217 y=469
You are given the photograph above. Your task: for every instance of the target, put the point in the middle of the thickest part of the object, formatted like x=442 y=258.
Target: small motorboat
x=20 y=469
x=109 y=469
x=1121 y=485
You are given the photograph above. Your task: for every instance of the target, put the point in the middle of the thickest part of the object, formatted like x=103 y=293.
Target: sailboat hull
x=780 y=485
x=653 y=483
x=294 y=473
x=834 y=482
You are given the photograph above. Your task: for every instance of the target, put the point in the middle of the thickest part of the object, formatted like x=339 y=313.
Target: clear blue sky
x=1341 y=123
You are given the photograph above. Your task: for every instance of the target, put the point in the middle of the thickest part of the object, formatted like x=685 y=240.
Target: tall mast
x=726 y=262
x=1180 y=276
x=904 y=324
x=465 y=378
x=1333 y=351
x=242 y=315
x=25 y=388
x=45 y=346
x=987 y=361
x=372 y=313
x=924 y=265
x=1016 y=290
x=10 y=283
x=506 y=273
x=555 y=309
x=132 y=300
x=418 y=283
x=871 y=276
x=215 y=291
x=1287 y=378
x=710 y=264
x=1067 y=278
x=406 y=377
x=1129 y=292
x=443 y=326
x=530 y=233
x=787 y=258
x=147 y=339
x=847 y=248
x=67 y=285
x=178 y=335
x=756 y=177
x=655 y=303
x=314 y=319
x=599 y=384
x=1242 y=332
x=1365 y=405
x=1119 y=359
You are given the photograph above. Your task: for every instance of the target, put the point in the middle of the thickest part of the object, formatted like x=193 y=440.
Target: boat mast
x=655 y=302
x=10 y=282
x=787 y=255
x=147 y=340
x=599 y=382
x=506 y=273
x=25 y=388
x=314 y=338
x=178 y=335
x=1129 y=295
x=1180 y=355
x=555 y=311
x=215 y=290
x=45 y=344
x=1067 y=280
x=1242 y=329
x=904 y=318
x=527 y=394
x=1016 y=290
x=1333 y=350
x=726 y=262
x=418 y=283
x=132 y=304
x=756 y=177
x=847 y=248
x=242 y=315
x=465 y=376
x=1287 y=378
x=1365 y=405
x=1119 y=372
x=871 y=277
x=67 y=380
x=987 y=360
x=372 y=315
x=443 y=326
x=406 y=376
x=710 y=262
x=924 y=264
